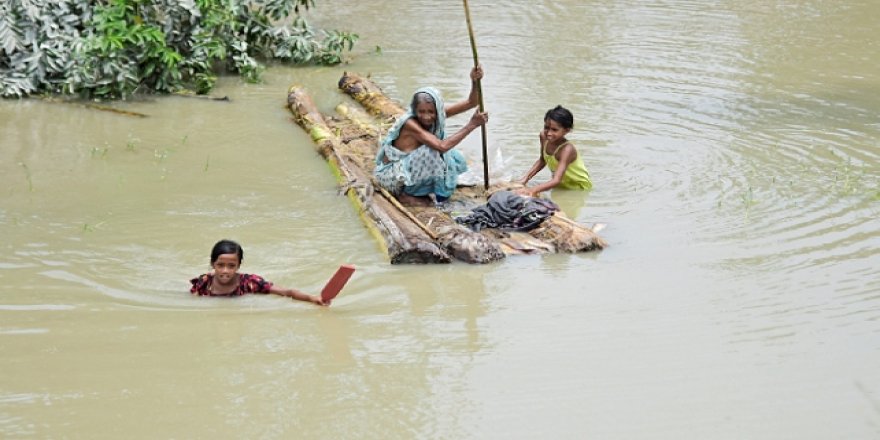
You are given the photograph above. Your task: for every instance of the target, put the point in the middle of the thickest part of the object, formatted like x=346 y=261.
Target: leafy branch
x=115 y=48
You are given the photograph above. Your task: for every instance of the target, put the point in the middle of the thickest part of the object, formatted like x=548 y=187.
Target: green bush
x=114 y=48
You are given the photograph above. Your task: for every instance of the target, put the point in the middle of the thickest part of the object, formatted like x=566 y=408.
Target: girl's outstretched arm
x=566 y=157
x=298 y=295
x=538 y=166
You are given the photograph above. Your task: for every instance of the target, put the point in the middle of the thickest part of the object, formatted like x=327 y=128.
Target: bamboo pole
x=467 y=14
x=404 y=211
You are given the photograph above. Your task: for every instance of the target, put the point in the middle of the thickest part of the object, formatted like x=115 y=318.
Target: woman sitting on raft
x=416 y=159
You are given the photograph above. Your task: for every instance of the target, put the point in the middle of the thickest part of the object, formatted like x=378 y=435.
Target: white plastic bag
x=499 y=168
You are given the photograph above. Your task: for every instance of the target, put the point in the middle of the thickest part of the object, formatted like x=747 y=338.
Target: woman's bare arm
x=424 y=137
x=473 y=98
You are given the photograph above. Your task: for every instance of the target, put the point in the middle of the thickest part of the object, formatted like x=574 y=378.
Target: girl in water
x=559 y=154
x=225 y=280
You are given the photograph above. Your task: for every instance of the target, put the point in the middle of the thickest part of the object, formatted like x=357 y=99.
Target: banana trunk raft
x=348 y=141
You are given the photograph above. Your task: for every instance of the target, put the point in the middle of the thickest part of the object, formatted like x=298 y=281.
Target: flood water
x=734 y=150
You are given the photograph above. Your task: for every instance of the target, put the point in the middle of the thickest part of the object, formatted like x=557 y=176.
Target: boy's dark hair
x=561 y=115
x=226 y=247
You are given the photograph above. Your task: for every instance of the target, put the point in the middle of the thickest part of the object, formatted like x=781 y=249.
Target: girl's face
x=553 y=131
x=426 y=113
x=225 y=268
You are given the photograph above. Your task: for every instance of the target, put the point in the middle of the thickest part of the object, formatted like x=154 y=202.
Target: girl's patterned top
x=247 y=283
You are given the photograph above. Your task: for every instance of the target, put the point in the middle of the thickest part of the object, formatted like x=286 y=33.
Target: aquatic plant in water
x=27 y=174
x=115 y=48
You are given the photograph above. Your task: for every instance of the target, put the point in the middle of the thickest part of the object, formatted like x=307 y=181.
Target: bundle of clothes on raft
x=508 y=211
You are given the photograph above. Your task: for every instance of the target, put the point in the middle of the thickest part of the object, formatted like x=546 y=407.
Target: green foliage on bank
x=114 y=48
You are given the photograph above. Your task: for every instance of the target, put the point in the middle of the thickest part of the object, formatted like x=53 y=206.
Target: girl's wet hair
x=226 y=247
x=421 y=97
x=561 y=115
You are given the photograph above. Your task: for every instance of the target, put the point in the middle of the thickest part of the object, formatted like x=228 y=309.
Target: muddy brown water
x=734 y=150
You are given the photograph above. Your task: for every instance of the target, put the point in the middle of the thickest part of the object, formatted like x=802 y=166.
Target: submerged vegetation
x=115 y=48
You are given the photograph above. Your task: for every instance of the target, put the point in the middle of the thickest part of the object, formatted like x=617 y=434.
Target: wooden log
x=192 y=94
x=94 y=106
x=568 y=235
x=402 y=240
x=370 y=96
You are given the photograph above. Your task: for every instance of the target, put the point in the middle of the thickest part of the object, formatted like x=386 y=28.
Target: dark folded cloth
x=509 y=212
